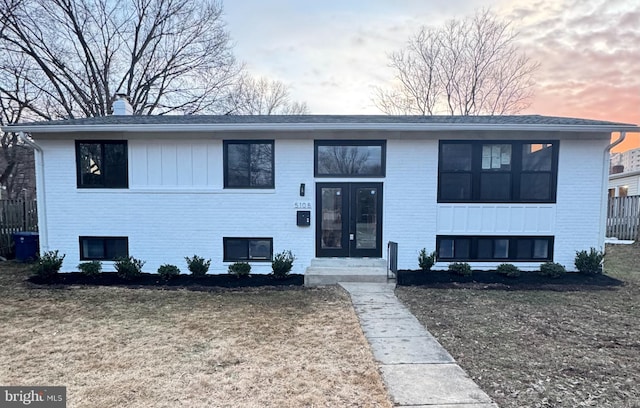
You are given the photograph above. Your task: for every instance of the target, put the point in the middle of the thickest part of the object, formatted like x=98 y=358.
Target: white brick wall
x=180 y=208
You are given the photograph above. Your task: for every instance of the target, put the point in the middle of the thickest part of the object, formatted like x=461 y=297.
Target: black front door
x=349 y=220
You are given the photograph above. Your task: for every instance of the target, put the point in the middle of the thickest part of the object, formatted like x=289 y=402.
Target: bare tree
x=466 y=67
x=251 y=96
x=166 y=55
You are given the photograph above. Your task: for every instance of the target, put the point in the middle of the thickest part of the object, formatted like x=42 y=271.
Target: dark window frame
x=123 y=185
x=516 y=172
x=373 y=143
x=226 y=258
x=513 y=247
x=226 y=144
x=105 y=239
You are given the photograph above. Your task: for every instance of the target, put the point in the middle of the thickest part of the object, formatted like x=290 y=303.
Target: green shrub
x=426 y=261
x=589 y=262
x=128 y=268
x=240 y=269
x=91 y=268
x=49 y=264
x=167 y=271
x=282 y=264
x=198 y=266
x=508 y=270
x=552 y=270
x=460 y=268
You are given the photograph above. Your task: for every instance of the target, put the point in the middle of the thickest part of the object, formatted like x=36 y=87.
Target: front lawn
x=540 y=348
x=117 y=347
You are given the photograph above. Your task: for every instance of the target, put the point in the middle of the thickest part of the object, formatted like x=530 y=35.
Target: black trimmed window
x=494 y=248
x=102 y=164
x=248 y=164
x=497 y=171
x=103 y=248
x=247 y=249
x=350 y=158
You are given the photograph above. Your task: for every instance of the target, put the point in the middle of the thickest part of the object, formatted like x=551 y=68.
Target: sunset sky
x=332 y=53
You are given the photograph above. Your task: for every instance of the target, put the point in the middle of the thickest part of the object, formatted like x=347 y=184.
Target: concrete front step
x=330 y=271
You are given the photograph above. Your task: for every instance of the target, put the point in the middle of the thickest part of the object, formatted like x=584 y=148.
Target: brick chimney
x=121 y=105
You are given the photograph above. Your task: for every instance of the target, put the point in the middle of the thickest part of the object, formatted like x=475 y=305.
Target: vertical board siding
x=16 y=216
x=623 y=217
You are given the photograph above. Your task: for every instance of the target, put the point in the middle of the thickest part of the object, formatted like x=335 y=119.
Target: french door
x=349 y=220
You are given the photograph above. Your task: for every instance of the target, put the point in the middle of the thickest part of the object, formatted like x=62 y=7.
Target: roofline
x=615 y=176
x=296 y=127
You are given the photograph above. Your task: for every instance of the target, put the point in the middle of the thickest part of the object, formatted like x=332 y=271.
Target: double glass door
x=349 y=220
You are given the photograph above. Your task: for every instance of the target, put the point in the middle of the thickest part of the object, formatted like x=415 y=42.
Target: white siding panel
x=137 y=164
x=502 y=219
x=185 y=165
x=200 y=165
x=169 y=164
x=154 y=164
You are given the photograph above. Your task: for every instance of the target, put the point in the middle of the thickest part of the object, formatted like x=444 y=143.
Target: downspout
x=40 y=193
x=605 y=182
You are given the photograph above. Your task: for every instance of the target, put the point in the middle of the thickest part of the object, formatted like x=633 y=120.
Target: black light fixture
x=301 y=189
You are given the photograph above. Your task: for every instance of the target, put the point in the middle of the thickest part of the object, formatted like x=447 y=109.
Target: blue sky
x=332 y=53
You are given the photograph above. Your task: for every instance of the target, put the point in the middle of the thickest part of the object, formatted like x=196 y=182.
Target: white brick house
x=484 y=190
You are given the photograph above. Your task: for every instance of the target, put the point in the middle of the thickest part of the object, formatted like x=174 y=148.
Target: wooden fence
x=623 y=217
x=16 y=216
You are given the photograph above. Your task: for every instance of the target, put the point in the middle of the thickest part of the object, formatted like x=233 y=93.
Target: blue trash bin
x=26 y=246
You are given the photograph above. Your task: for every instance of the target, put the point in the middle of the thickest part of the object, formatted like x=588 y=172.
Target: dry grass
x=543 y=348
x=115 y=347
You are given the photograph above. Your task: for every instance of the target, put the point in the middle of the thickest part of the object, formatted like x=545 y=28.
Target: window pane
x=446 y=248
x=93 y=248
x=259 y=249
x=261 y=165
x=523 y=250
x=501 y=249
x=540 y=248
x=238 y=160
x=455 y=157
x=496 y=157
x=485 y=248
x=537 y=157
x=535 y=186
x=90 y=164
x=236 y=249
x=455 y=186
x=115 y=165
x=495 y=186
x=349 y=160
x=116 y=248
x=461 y=248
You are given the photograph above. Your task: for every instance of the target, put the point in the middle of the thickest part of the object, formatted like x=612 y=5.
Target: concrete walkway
x=416 y=369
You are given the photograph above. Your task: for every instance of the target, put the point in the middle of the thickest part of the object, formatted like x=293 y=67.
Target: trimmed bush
x=49 y=264
x=92 y=268
x=552 y=270
x=128 y=268
x=240 y=269
x=167 y=271
x=198 y=266
x=460 y=268
x=508 y=270
x=589 y=262
x=282 y=264
x=426 y=261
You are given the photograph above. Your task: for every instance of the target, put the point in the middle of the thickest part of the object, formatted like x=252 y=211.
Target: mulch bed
x=152 y=280
x=492 y=280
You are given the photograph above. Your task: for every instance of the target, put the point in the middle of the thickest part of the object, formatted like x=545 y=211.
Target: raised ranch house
x=484 y=190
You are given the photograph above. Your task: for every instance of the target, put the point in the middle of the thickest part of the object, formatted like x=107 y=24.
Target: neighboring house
x=624 y=184
x=477 y=189
x=629 y=159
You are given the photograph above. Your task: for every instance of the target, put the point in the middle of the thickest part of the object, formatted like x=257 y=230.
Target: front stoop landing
x=330 y=271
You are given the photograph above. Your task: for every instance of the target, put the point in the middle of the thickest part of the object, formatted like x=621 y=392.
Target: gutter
x=43 y=233
x=605 y=183
x=299 y=127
